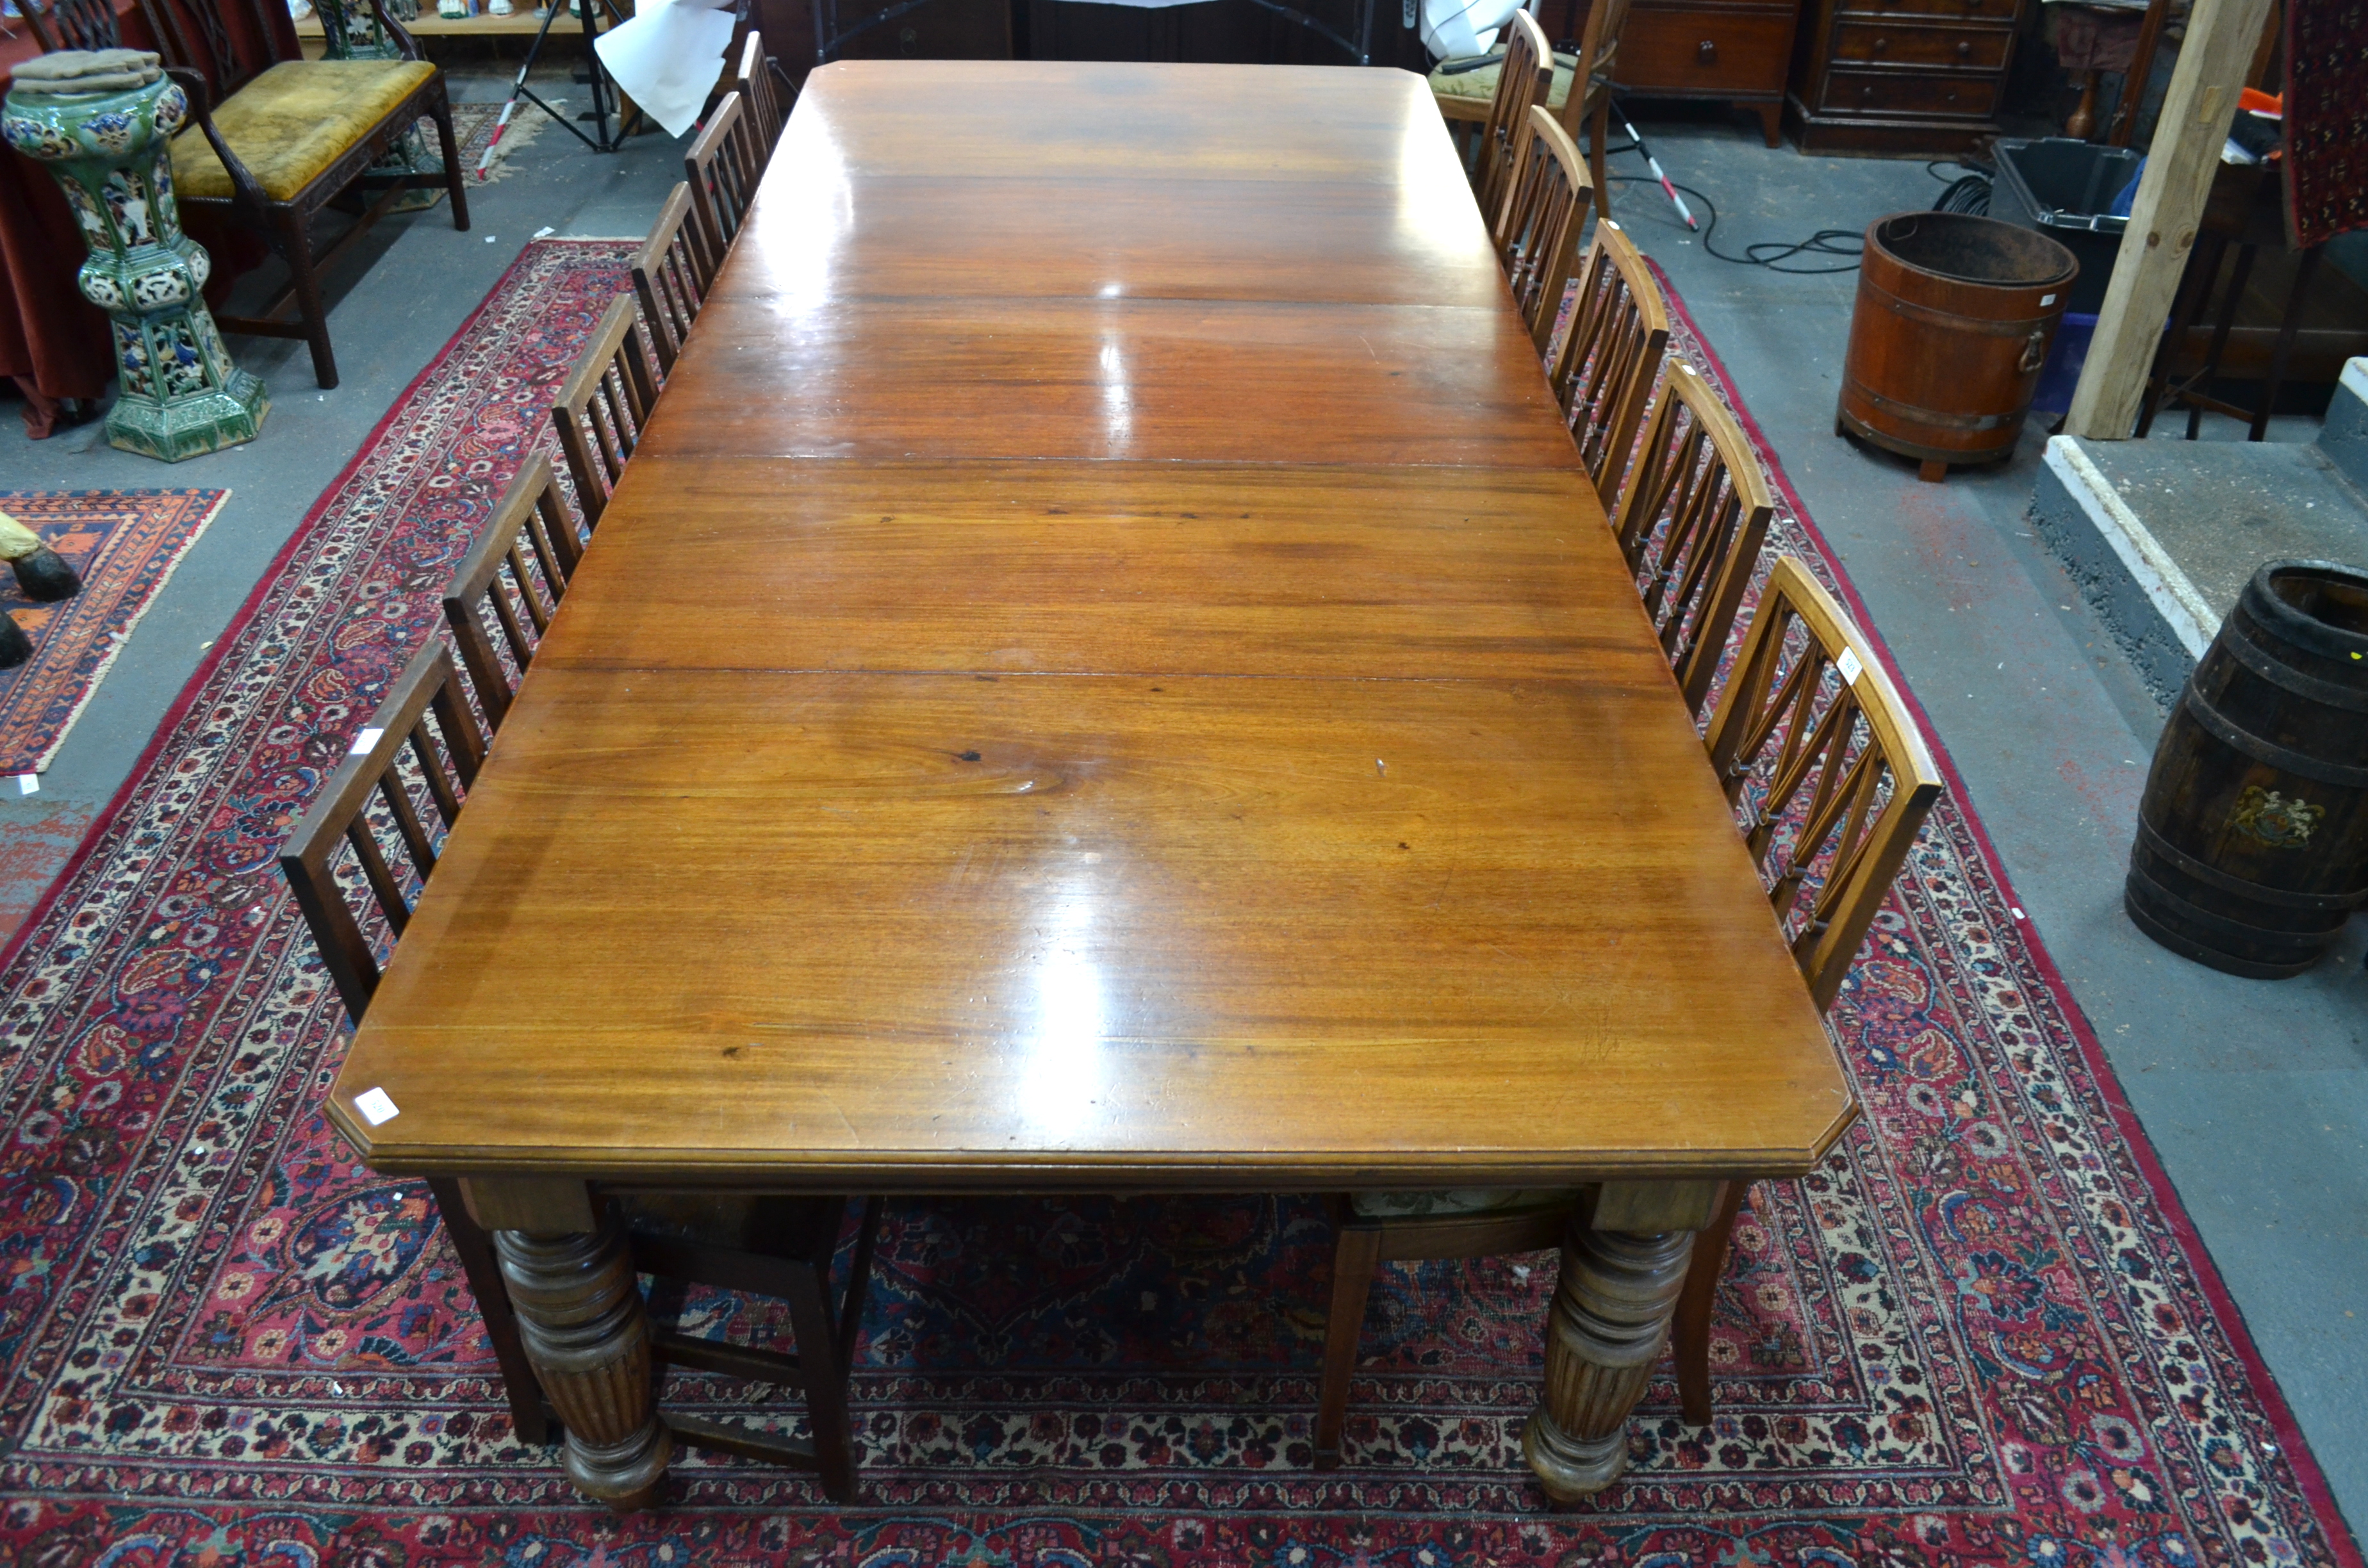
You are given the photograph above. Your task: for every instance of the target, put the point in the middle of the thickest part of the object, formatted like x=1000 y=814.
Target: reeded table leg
x=1604 y=1334
x=579 y=1312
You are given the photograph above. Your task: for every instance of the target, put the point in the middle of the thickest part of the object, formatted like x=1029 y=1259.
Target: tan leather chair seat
x=293 y=121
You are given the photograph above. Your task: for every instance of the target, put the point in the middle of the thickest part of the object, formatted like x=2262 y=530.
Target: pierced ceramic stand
x=181 y=394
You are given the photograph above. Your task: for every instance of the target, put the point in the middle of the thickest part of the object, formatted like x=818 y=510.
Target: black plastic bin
x=2061 y=188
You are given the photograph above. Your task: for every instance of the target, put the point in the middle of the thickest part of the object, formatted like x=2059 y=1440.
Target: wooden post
x=2196 y=113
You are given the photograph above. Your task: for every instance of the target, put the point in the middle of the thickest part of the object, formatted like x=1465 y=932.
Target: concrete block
x=2145 y=600
x=2344 y=437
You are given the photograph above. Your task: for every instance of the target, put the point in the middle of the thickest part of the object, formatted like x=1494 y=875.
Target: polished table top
x=1104 y=672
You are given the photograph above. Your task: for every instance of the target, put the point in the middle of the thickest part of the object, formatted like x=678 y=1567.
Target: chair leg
x=823 y=1365
x=1598 y=131
x=1354 y=1257
x=528 y=1417
x=455 y=181
x=859 y=1281
x=1689 y=1334
x=296 y=245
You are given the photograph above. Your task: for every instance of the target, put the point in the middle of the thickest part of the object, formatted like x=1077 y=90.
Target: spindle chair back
x=754 y=83
x=722 y=168
x=1691 y=518
x=1604 y=374
x=1537 y=234
x=603 y=408
x=515 y=574
x=671 y=277
x=1522 y=82
x=1594 y=71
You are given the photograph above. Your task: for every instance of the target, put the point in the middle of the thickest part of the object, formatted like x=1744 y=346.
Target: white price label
x=376 y=1106
x=1849 y=667
x=363 y=742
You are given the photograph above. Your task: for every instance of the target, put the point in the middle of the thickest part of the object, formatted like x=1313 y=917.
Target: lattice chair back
x=515 y=574
x=73 y=23
x=722 y=168
x=1690 y=523
x=204 y=36
x=446 y=758
x=755 y=86
x=1604 y=377
x=1537 y=237
x=1522 y=81
x=1598 y=49
x=1815 y=747
x=603 y=407
x=671 y=277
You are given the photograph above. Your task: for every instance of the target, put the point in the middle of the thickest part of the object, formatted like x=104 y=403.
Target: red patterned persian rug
x=1981 y=1332
x=124 y=544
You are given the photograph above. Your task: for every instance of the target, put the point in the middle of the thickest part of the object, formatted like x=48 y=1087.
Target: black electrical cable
x=1825 y=242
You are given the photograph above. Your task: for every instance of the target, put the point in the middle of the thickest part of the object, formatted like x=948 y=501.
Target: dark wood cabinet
x=1734 y=50
x=1900 y=75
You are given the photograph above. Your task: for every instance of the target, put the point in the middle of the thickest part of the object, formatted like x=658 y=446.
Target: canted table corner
x=1158 y=708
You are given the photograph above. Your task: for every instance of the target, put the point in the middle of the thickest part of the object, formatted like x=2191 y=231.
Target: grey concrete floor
x=2254 y=1093
x=395 y=300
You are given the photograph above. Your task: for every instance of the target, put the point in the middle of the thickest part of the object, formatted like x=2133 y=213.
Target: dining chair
x=1814 y=743
x=1537 y=234
x=446 y=758
x=1691 y=518
x=1837 y=804
x=722 y=168
x=1603 y=375
x=270 y=141
x=515 y=574
x=1521 y=82
x=602 y=409
x=1589 y=103
x=671 y=277
x=754 y=83
x=778 y=1247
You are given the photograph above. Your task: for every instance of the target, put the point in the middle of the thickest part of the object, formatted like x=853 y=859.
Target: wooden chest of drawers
x=1737 y=51
x=1899 y=75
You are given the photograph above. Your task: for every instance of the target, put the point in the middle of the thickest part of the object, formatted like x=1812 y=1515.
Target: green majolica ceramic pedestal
x=181 y=394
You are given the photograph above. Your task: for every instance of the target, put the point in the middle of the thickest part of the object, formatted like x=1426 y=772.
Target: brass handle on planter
x=2034 y=351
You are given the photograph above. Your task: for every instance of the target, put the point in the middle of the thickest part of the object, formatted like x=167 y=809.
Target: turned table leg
x=1607 y=1326
x=580 y=1312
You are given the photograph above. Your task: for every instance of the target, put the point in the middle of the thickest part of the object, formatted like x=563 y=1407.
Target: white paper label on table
x=1849 y=667
x=363 y=742
x=667 y=58
x=28 y=783
x=376 y=1106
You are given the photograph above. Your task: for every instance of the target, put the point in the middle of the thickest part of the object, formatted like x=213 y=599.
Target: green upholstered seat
x=1481 y=84
x=293 y=121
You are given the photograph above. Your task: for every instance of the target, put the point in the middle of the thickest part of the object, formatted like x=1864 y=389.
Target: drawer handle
x=1866 y=95
x=1707 y=53
x=1964 y=49
x=1880 y=44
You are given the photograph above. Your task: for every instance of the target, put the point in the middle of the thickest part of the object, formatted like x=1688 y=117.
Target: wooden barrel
x=2252 y=843
x=1953 y=318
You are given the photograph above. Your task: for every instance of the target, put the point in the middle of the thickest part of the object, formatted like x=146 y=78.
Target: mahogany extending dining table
x=1105 y=674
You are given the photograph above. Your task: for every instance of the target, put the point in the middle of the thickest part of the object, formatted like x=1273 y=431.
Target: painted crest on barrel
x=2270 y=817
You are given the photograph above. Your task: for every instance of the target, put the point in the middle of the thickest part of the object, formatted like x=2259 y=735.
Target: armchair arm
x=250 y=196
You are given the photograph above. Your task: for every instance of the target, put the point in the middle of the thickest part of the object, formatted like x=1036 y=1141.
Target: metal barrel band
x=2294 y=625
x=1986 y=326
x=1856 y=387
x=2178 y=942
x=2204 y=923
x=2285 y=677
x=2283 y=758
x=2330 y=903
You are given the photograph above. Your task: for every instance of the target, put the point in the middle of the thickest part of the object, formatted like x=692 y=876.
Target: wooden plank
x=2196 y=112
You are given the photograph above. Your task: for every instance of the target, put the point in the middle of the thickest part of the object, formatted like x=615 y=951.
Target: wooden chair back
x=754 y=83
x=73 y=23
x=1523 y=81
x=1813 y=742
x=1690 y=523
x=603 y=407
x=448 y=765
x=516 y=572
x=671 y=277
x=1599 y=58
x=229 y=42
x=1537 y=235
x=722 y=168
x=1618 y=331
